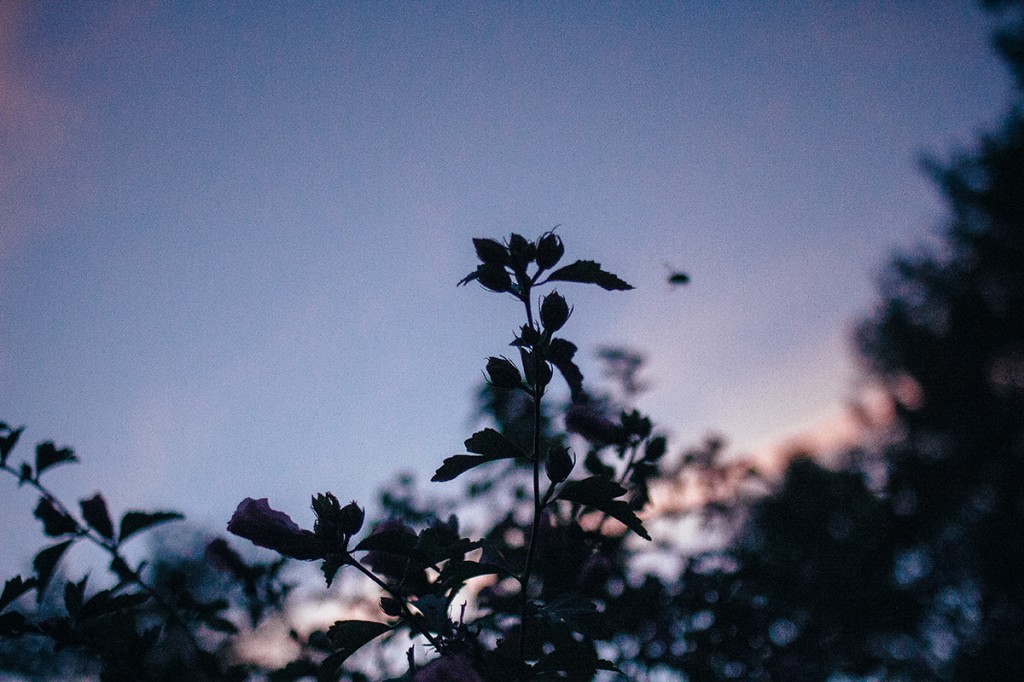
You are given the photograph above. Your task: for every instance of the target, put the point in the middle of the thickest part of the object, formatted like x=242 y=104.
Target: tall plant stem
x=524 y=593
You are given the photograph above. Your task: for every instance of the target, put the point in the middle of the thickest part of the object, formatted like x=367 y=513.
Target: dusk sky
x=230 y=233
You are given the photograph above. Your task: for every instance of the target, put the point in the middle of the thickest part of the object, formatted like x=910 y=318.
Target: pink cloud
x=33 y=125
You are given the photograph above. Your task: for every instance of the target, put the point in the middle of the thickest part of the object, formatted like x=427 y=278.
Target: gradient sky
x=230 y=233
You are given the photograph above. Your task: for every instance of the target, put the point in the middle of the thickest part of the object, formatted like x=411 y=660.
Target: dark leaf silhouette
x=48 y=455
x=134 y=521
x=588 y=272
x=45 y=562
x=94 y=511
x=347 y=637
x=14 y=588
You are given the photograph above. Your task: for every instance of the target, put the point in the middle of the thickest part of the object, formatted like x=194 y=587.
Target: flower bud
x=522 y=251
x=538 y=372
x=502 y=373
x=326 y=507
x=549 y=250
x=559 y=465
x=554 y=311
x=528 y=336
x=350 y=519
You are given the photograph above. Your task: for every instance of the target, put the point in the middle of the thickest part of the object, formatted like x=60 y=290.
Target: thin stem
x=524 y=596
x=434 y=642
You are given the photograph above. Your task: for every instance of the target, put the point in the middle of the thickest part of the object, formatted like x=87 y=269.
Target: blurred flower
x=255 y=521
x=455 y=668
x=592 y=424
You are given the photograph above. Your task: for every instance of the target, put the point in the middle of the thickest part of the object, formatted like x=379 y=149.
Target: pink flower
x=255 y=521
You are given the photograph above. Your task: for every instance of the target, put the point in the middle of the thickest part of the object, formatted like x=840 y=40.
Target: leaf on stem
x=48 y=455
x=44 y=565
x=134 y=521
x=94 y=511
x=599 y=493
x=347 y=637
x=14 y=588
x=489 y=445
x=589 y=272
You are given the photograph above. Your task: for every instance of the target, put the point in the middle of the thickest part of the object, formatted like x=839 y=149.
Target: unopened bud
x=549 y=250
x=502 y=373
x=522 y=251
x=559 y=465
x=554 y=311
x=350 y=519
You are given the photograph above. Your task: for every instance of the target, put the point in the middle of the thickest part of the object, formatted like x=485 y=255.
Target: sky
x=230 y=233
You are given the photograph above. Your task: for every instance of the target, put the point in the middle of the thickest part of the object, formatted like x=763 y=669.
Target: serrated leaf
x=15 y=588
x=44 y=564
x=94 y=511
x=48 y=455
x=456 y=465
x=456 y=573
x=599 y=492
x=134 y=521
x=493 y=444
x=589 y=272
x=591 y=490
x=347 y=637
x=489 y=444
x=441 y=542
x=8 y=441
